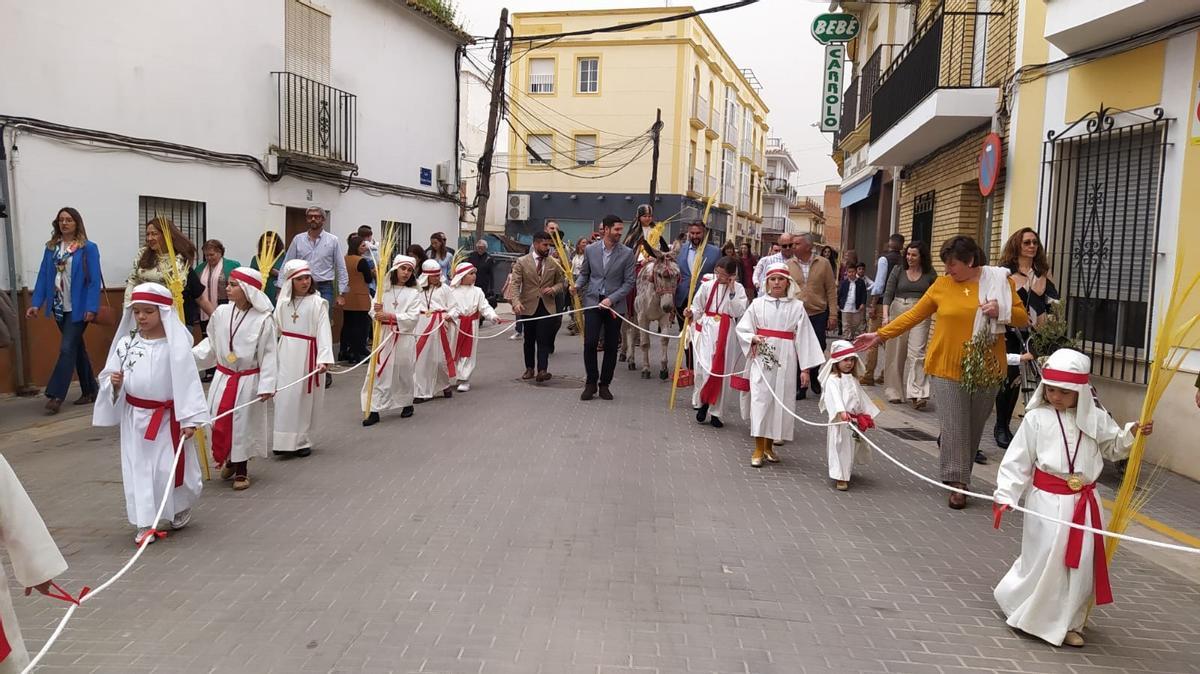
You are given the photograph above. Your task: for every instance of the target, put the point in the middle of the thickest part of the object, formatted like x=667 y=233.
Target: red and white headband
x=243 y=277
x=1052 y=377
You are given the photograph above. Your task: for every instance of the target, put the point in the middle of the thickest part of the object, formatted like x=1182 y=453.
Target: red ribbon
x=381 y=360
x=311 y=364
x=711 y=391
x=844 y=352
x=246 y=278
x=161 y=409
x=63 y=595
x=466 y=335
x=153 y=298
x=1086 y=504
x=777 y=334
x=222 y=434
x=440 y=322
x=863 y=421
x=1050 y=375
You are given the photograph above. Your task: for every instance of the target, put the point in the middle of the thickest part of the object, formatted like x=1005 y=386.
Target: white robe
x=469 y=300
x=1040 y=594
x=394 y=364
x=710 y=298
x=768 y=419
x=431 y=368
x=843 y=393
x=146 y=464
x=297 y=408
x=32 y=553
x=254 y=344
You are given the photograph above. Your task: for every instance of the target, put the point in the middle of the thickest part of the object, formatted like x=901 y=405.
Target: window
x=589 y=75
x=585 y=150
x=306 y=41
x=188 y=216
x=728 y=177
x=541 y=76
x=922 y=223
x=403 y=232
x=539 y=146
x=744 y=203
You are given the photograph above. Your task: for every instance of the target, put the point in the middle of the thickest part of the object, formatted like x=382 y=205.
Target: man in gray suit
x=605 y=278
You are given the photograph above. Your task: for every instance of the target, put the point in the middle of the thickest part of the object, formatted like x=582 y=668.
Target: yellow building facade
x=581 y=109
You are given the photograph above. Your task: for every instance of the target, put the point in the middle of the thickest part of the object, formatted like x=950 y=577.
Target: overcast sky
x=771 y=38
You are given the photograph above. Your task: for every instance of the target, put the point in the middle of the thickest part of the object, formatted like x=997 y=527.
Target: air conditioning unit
x=518 y=207
x=445 y=173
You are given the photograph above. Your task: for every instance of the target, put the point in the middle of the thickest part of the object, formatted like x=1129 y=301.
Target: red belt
x=440 y=321
x=312 y=357
x=380 y=360
x=711 y=391
x=778 y=334
x=1086 y=503
x=466 y=336
x=222 y=434
x=161 y=409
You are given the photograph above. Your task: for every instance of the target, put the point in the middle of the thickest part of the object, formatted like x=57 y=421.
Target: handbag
x=105 y=314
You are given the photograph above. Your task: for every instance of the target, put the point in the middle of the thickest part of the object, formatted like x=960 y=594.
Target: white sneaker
x=181 y=519
x=464 y=387
x=141 y=532
x=515 y=336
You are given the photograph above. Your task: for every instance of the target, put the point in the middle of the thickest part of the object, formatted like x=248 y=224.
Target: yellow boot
x=769 y=451
x=756 y=459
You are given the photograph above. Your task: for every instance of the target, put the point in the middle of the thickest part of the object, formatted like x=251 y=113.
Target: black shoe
x=716 y=423
x=980 y=458
x=303 y=452
x=605 y=394
x=372 y=419
x=447 y=392
x=328 y=380
x=702 y=413
x=801 y=394
x=406 y=412
x=1002 y=436
x=418 y=401
x=280 y=453
x=589 y=392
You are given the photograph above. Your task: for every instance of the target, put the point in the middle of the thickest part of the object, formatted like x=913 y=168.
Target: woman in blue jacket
x=68 y=289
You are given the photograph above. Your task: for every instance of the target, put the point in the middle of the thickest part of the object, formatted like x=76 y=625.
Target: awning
x=860 y=190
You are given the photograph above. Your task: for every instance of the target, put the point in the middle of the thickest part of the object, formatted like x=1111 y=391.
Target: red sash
x=466 y=335
x=439 y=321
x=312 y=358
x=1086 y=504
x=222 y=434
x=161 y=409
x=777 y=334
x=5 y=648
x=711 y=391
x=381 y=361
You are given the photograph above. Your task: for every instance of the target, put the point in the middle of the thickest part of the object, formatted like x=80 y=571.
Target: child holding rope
x=1054 y=460
x=472 y=306
x=305 y=345
x=843 y=399
x=397 y=309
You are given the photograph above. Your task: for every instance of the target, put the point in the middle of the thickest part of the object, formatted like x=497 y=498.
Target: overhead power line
x=633 y=25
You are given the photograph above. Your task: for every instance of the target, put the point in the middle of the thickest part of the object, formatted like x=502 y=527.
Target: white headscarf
x=460 y=272
x=1068 y=369
x=839 y=350
x=185 y=379
x=403 y=259
x=428 y=268
x=781 y=268
x=292 y=270
x=251 y=283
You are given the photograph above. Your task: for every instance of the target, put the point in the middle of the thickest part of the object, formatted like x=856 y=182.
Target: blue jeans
x=325 y=289
x=72 y=359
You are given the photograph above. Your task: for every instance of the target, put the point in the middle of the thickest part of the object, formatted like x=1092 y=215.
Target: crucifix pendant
x=966 y=291
x=295 y=314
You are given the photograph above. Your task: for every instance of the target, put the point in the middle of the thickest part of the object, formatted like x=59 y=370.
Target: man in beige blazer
x=536 y=279
x=818 y=287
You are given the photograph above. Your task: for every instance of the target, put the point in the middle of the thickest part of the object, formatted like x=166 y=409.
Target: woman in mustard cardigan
x=957 y=300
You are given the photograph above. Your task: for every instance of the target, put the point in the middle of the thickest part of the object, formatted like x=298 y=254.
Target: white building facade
x=233 y=117
x=779 y=196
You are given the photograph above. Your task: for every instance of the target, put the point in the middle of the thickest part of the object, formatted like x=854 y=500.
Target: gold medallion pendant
x=1075 y=481
x=231 y=358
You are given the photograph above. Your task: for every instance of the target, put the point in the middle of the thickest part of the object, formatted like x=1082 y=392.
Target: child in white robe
x=150 y=388
x=241 y=345
x=305 y=345
x=716 y=307
x=35 y=561
x=435 y=366
x=471 y=305
x=1053 y=461
x=779 y=320
x=843 y=399
x=397 y=308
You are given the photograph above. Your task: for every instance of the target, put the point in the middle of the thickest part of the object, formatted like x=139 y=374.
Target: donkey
x=653 y=303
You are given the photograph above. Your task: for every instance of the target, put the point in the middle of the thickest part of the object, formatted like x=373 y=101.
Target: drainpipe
x=895 y=225
x=8 y=211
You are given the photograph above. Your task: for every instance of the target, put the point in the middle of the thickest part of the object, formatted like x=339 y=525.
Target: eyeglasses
x=1029 y=242
x=786 y=245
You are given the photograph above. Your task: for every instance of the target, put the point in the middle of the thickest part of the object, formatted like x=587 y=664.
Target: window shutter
x=585 y=150
x=306 y=41
x=541 y=76
x=542 y=146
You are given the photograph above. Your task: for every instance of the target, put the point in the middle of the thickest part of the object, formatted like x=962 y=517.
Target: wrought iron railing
x=948 y=51
x=872 y=70
x=315 y=119
x=774 y=224
x=712 y=186
x=849 y=120
x=541 y=83
x=700 y=109
x=696 y=181
x=1101 y=193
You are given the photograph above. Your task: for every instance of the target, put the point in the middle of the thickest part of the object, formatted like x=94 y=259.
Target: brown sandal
x=957 y=501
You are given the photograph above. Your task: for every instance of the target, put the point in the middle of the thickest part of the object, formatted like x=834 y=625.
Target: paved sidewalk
x=516 y=529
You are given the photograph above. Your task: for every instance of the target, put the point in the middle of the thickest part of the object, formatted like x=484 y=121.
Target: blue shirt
x=324 y=257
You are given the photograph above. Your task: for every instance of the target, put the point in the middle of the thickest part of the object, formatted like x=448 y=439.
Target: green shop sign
x=827 y=28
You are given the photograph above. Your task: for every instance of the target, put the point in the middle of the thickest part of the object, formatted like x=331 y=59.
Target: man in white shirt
x=783 y=255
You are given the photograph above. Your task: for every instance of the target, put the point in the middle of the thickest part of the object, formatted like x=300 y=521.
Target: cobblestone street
x=515 y=529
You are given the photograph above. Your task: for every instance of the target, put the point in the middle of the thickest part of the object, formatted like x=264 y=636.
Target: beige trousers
x=904 y=358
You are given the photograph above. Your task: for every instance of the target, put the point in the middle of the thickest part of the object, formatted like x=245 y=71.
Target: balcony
x=774 y=224
x=936 y=90
x=774 y=145
x=776 y=185
x=712 y=187
x=744 y=202
x=747 y=147
x=700 y=108
x=727 y=196
x=542 y=83
x=696 y=181
x=315 y=121
x=1077 y=25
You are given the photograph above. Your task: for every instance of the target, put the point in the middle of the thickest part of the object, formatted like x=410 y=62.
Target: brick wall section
x=832 y=207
